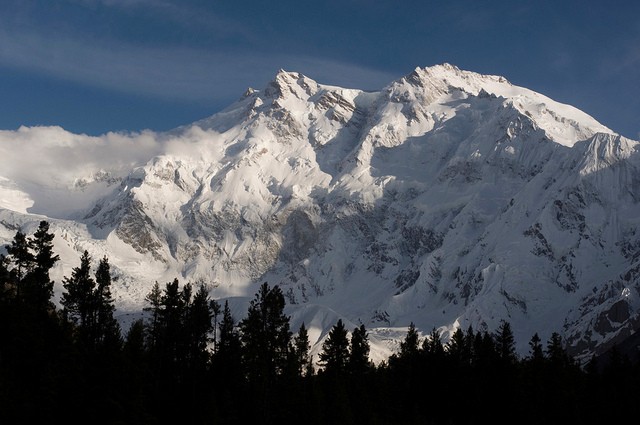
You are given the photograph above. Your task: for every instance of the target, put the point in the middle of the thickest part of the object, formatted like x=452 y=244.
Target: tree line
x=190 y=361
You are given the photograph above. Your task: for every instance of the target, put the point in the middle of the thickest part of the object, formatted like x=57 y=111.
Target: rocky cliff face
x=448 y=199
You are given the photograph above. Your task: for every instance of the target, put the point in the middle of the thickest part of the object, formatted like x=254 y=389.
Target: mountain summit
x=448 y=199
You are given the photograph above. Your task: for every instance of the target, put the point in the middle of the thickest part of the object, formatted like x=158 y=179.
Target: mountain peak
x=286 y=83
x=450 y=76
x=563 y=123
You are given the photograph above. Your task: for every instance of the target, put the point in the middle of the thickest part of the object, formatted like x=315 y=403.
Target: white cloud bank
x=59 y=174
x=41 y=167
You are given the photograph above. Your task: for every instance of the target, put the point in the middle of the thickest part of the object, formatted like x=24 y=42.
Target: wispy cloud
x=189 y=16
x=336 y=72
x=167 y=72
x=119 y=3
x=625 y=61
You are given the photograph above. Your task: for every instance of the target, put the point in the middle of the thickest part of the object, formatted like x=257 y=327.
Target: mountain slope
x=448 y=199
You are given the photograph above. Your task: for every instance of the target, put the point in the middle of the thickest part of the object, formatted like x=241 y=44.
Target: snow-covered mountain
x=446 y=199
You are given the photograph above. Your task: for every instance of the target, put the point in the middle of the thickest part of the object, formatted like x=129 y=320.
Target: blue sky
x=93 y=66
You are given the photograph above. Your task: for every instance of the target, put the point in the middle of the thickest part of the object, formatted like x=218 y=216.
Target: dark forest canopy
x=191 y=361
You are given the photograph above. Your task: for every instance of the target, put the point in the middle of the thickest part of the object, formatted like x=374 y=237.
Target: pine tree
x=536 y=353
x=335 y=350
x=227 y=366
x=555 y=351
x=469 y=337
x=108 y=330
x=505 y=343
x=358 y=362
x=409 y=353
x=229 y=345
x=410 y=345
x=214 y=307
x=154 y=301
x=171 y=318
x=37 y=284
x=432 y=345
x=301 y=360
x=199 y=327
x=456 y=348
x=484 y=350
x=334 y=358
x=265 y=335
x=79 y=301
x=88 y=303
x=22 y=258
x=5 y=279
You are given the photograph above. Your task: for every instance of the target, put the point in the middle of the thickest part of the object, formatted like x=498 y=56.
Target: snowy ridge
x=447 y=199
